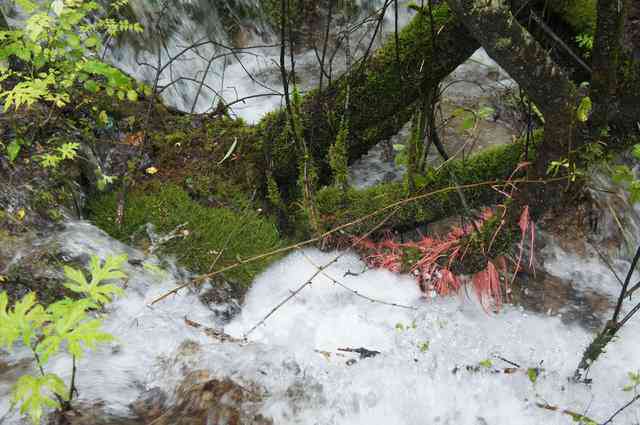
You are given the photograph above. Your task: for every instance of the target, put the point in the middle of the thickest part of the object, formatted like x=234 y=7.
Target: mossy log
x=492 y=164
x=381 y=95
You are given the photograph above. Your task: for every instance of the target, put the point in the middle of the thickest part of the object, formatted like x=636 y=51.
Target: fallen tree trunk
x=382 y=93
x=474 y=177
x=531 y=66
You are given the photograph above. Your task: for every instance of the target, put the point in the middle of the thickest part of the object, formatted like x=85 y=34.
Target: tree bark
x=380 y=102
x=607 y=52
x=530 y=65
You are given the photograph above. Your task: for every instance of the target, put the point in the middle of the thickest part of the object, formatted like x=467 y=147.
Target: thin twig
x=623 y=292
x=354 y=292
x=318 y=271
x=608 y=264
x=199 y=279
x=633 y=400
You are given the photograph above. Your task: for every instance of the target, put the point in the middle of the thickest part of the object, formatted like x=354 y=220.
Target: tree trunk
x=607 y=52
x=530 y=65
x=380 y=103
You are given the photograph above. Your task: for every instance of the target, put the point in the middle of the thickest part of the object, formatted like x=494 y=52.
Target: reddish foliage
x=430 y=259
x=487 y=284
x=526 y=224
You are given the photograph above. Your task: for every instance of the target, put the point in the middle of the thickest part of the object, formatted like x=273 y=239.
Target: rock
x=202 y=399
x=547 y=294
x=221 y=299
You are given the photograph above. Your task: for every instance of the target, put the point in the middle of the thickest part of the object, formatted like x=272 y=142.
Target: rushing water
x=295 y=356
x=241 y=62
x=407 y=383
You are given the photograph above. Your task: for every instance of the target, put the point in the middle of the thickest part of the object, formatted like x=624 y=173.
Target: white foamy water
x=405 y=384
x=236 y=66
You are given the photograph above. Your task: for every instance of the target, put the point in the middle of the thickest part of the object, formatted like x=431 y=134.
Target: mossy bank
x=200 y=238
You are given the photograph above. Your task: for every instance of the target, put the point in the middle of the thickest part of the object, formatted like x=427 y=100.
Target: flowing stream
x=240 y=62
x=294 y=357
x=428 y=370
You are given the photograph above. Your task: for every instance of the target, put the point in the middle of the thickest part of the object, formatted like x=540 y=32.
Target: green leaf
x=584 y=109
x=22 y=321
x=49 y=161
x=32 y=393
x=622 y=174
x=486 y=363
x=469 y=122
x=91 y=86
x=71 y=325
x=153 y=268
x=229 y=152
x=636 y=152
x=634 y=192
x=57 y=6
x=103 y=118
x=533 y=373
x=91 y=41
x=424 y=346
x=95 y=291
x=486 y=112
x=68 y=150
x=132 y=95
x=13 y=150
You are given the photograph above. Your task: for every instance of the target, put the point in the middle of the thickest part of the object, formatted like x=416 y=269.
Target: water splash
x=295 y=356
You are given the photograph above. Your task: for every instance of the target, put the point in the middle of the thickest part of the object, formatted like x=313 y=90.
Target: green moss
x=210 y=230
x=580 y=14
x=382 y=92
x=494 y=163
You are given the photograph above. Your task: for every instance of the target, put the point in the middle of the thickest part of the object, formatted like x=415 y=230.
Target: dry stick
x=574 y=415
x=233 y=233
x=632 y=289
x=373 y=38
x=558 y=40
x=318 y=271
x=72 y=387
x=626 y=318
x=325 y=43
x=353 y=291
x=202 y=278
x=283 y=53
x=202 y=84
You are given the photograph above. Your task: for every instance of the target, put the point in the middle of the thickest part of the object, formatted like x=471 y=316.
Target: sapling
x=68 y=326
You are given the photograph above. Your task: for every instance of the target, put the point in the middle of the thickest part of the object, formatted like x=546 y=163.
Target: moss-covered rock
x=208 y=233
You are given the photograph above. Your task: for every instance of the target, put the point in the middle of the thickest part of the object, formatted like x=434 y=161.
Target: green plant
x=338 y=157
x=585 y=42
x=624 y=176
x=55 y=57
x=634 y=378
x=66 y=326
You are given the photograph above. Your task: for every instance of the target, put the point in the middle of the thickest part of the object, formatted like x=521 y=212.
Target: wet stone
x=221 y=299
x=547 y=294
x=203 y=399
